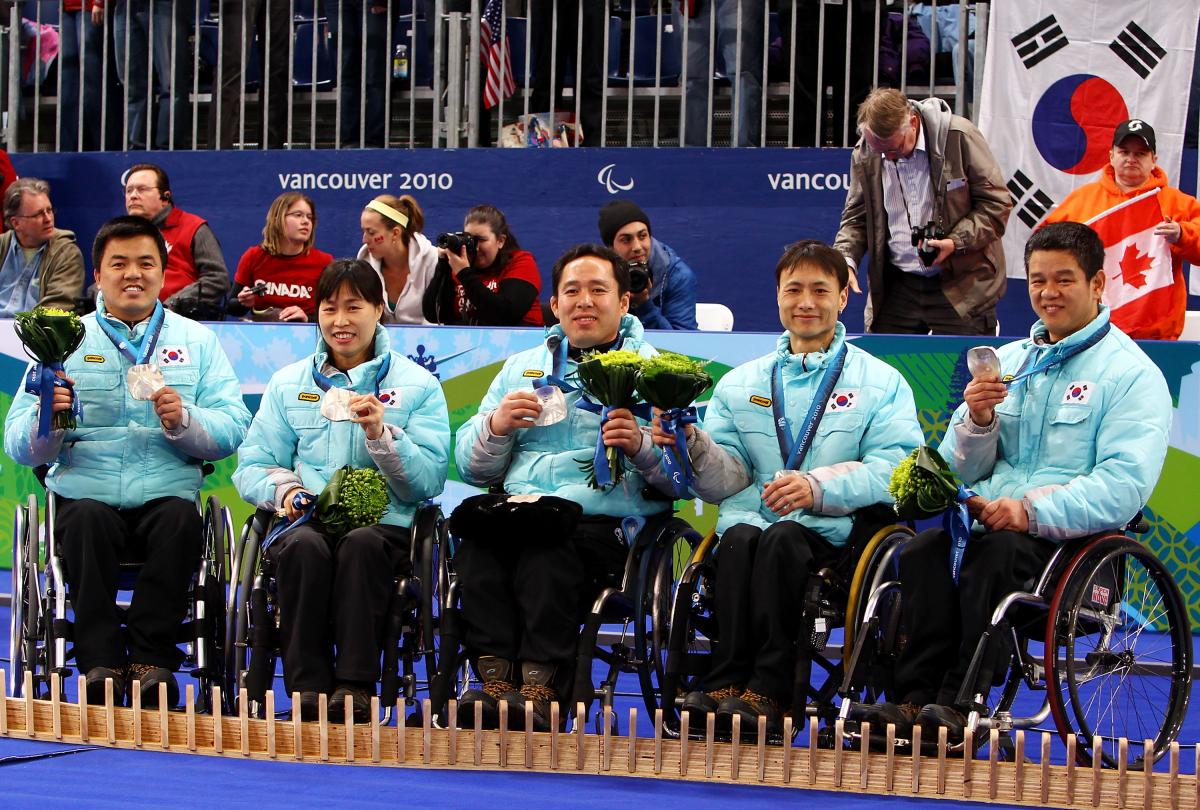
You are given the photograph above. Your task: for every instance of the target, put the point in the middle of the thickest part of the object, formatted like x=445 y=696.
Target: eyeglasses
x=301 y=215
x=137 y=191
x=45 y=213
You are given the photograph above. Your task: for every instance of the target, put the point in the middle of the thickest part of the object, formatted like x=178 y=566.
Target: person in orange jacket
x=1133 y=170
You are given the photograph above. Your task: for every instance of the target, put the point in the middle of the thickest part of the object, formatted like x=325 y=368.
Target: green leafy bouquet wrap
x=609 y=380
x=671 y=382
x=50 y=336
x=353 y=498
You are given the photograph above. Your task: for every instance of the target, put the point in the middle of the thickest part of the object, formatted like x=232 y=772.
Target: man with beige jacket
x=41 y=265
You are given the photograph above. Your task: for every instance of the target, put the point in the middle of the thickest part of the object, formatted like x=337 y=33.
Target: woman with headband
x=276 y=279
x=489 y=280
x=404 y=259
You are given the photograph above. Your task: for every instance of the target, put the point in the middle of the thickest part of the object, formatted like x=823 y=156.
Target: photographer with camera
x=196 y=279
x=928 y=201
x=662 y=286
x=276 y=279
x=483 y=278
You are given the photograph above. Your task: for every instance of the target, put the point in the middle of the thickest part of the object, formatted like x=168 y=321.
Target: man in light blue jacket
x=522 y=595
x=128 y=475
x=1066 y=441
x=787 y=504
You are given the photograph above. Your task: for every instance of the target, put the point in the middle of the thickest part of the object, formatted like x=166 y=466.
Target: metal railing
x=636 y=72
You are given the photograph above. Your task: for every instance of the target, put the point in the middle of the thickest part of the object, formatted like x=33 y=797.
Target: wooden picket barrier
x=747 y=762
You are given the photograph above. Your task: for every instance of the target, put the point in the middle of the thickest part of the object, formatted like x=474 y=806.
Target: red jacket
x=179 y=229
x=1097 y=197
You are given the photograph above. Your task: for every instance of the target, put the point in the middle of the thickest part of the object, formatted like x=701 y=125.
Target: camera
x=922 y=234
x=639 y=277
x=455 y=242
x=260 y=288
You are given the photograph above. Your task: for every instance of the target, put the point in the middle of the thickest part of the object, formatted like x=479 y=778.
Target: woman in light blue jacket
x=334 y=591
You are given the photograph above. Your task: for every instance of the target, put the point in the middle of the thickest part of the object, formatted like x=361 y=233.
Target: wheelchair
x=639 y=605
x=1104 y=632
x=252 y=617
x=857 y=592
x=41 y=632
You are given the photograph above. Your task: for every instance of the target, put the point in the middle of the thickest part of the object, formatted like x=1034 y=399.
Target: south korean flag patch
x=842 y=401
x=173 y=356
x=390 y=397
x=1078 y=392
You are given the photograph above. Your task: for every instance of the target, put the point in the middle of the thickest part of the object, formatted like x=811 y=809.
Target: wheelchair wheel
x=209 y=605
x=432 y=534
x=238 y=641
x=661 y=565
x=692 y=626
x=1118 y=652
x=26 y=601
x=873 y=616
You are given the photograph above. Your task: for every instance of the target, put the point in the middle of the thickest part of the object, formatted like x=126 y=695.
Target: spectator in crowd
x=196 y=279
x=240 y=21
x=740 y=53
x=1050 y=465
x=83 y=47
x=362 y=25
x=277 y=278
x=922 y=179
x=494 y=283
x=334 y=591
x=784 y=516
x=171 y=24
x=128 y=475
x=405 y=260
x=568 y=46
x=1141 y=312
x=524 y=589
x=42 y=265
x=663 y=286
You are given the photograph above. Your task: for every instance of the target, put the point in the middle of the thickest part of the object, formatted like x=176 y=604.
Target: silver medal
x=144 y=380
x=335 y=406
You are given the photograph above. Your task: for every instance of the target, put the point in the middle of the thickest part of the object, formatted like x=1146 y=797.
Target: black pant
x=334 y=594
x=592 y=59
x=944 y=622
x=523 y=598
x=916 y=305
x=761 y=576
x=261 y=16
x=95 y=538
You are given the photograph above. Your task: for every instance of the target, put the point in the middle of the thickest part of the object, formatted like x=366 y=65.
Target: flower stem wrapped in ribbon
x=609 y=381
x=671 y=382
x=50 y=336
x=352 y=499
x=924 y=486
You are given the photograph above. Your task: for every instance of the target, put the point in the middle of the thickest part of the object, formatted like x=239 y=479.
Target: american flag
x=493 y=58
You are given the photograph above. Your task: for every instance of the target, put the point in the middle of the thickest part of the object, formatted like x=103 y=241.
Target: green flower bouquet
x=671 y=382
x=50 y=336
x=353 y=498
x=609 y=380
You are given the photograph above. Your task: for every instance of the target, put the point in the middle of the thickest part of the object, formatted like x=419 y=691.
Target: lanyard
x=558 y=366
x=324 y=383
x=1052 y=359
x=793 y=450
x=149 y=338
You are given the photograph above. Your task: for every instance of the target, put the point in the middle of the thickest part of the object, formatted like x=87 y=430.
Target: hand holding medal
x=367 y=411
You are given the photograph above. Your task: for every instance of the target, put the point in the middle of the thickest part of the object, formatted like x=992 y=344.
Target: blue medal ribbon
x=675 y=462
x=41 y=382
x=600 y=457
x=325 y=383
x=957 y=523
x=128 y=346
x=304 y=501
x=793 y=450
x=1051 y=359
x=558 y=376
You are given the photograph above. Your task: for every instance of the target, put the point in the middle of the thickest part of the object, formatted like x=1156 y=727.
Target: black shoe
x=360 y=698
x=537 y=692
x=751 y=706
x=150 y=676
x=933 y=716
x=497 y=686
x=96 y=676
x=309 y=708
x=902 y=715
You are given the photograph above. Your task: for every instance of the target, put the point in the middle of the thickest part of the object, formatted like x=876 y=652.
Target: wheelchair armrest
x=1138 y=524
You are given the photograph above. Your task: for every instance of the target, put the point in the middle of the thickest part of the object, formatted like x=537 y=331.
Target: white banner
x=1060 y=75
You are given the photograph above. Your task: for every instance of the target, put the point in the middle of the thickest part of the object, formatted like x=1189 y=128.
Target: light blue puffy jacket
x=1082 y=442
x=119 y=454
x=291 y=443
x=869 y=425
x=546 y=460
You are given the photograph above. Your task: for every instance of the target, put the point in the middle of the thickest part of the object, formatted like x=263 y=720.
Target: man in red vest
x=196 y=281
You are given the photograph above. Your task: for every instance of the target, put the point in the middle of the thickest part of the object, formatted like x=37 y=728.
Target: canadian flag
x=1137 y=263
